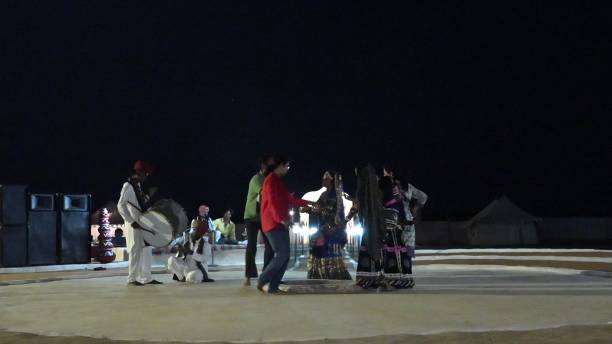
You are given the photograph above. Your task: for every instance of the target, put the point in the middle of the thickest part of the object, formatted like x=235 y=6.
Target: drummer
x=190 y=263
x=132 y=202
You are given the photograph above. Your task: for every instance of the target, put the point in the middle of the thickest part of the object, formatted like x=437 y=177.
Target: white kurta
x=187 y=267
x=140 y=256
x=409 y=234
x=413 y=194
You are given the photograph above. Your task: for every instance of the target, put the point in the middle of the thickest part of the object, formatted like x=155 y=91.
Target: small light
x=355 y=230
x=291 y=212
x=299 y=230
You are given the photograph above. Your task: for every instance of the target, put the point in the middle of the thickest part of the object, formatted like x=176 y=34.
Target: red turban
x=143 y=166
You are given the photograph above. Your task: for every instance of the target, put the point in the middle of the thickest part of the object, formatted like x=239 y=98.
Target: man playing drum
x=189 y=265
x=132 y=203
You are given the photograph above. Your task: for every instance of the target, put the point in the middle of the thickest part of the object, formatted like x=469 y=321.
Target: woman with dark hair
x=399 y=242
x=326 y=260
x=371 y=214
x=275 y=203
x=383 y=256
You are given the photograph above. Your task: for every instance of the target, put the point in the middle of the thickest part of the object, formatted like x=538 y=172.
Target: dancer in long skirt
x=384 y=259
x=326 y=260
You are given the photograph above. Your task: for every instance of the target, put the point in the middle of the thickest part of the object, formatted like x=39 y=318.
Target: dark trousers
x=203 y=270
x=253 y=229
x=274 y=272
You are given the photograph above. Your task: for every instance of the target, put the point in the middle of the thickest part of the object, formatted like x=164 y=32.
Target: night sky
x=472 y=100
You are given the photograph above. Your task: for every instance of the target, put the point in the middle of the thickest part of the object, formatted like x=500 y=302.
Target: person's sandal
x=247 y=282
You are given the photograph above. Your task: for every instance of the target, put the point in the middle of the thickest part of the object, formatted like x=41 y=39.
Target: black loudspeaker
x=42 y=230
x=13 y=246
x=13 y=229
x=13 y=205
x=74 y=229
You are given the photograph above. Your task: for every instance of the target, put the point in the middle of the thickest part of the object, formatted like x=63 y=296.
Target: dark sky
x=473 y=100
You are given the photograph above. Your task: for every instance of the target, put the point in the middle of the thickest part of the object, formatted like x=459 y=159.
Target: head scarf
x=142 y=166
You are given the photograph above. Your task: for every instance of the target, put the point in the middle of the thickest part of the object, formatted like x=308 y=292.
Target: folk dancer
x=326 y=260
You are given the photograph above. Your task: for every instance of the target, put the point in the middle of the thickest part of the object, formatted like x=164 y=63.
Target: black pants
x=203 y=270
x=253 y=229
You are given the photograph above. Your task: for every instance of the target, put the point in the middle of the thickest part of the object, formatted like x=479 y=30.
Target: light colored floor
x=461 y=298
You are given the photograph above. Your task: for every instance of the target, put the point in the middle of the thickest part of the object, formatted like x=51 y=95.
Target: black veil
x=370 y=209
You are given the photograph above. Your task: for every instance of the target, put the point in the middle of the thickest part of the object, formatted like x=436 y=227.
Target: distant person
x=275 y=203
x=252 y=221
x=226 y=228
x=132 y=203
x=118 y=239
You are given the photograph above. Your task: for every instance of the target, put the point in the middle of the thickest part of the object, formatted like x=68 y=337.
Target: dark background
x=473 y=100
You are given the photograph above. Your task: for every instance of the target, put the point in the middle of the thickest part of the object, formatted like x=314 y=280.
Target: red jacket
x=275 y=203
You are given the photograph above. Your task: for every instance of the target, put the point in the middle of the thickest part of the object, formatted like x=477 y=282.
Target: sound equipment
x=13 y=230
x=42 y=230
x=13 y=205
x=74 y=229
x=13 y=247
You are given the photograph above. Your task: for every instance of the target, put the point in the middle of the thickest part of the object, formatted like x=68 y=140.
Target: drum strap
x=139 y=194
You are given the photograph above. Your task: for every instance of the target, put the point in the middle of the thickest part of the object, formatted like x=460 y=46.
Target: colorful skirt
x=393 y=266
x=326 y=260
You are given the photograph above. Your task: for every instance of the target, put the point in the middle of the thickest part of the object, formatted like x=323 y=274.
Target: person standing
x=412 y=200
x=275 y=203
x=397 y=258
x=252 y=211
x=132 y=203
x=326 y=259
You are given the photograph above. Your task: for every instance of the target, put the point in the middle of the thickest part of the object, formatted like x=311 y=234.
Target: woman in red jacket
x=275 y=204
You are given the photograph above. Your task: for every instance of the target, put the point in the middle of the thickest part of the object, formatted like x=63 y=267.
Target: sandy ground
x=455 y=301
x=23 y=278
x=562 y=335
x=445 y=301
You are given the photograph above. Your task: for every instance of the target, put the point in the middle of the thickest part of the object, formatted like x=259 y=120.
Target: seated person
x=119 y=239
x=226 y=228
x=203 y=219
x=190 y=264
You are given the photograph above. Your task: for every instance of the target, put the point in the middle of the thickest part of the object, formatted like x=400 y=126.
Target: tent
x=501 y=223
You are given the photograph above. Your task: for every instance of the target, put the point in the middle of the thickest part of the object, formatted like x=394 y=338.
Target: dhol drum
x=162 y=222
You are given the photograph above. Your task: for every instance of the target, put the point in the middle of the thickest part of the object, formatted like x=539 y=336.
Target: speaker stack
x=42 y=229
x=74 y=229
x=13 y=225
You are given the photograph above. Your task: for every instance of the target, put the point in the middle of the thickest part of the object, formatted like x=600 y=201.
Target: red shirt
x=275 y=203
